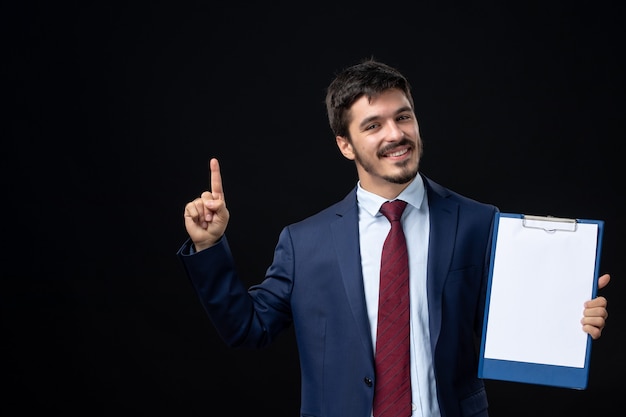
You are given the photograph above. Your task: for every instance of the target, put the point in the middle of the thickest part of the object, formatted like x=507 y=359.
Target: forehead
x=389 y=102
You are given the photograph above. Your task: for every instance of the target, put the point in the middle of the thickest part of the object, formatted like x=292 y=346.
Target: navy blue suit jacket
x=315 y=284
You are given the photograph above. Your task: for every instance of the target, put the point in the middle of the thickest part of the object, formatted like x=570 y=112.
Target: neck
x=385 y=189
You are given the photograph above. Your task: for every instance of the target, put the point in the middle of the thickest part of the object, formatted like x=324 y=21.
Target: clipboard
x=542 y=270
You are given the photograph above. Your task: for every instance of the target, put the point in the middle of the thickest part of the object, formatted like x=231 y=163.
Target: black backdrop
x=114 y=111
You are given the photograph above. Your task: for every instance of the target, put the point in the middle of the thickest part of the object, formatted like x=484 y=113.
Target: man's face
x=385 y=142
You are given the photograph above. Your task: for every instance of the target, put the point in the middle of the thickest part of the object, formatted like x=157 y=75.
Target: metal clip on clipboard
x=550 y=224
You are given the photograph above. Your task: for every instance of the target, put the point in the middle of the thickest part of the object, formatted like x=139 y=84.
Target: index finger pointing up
x=216 y=179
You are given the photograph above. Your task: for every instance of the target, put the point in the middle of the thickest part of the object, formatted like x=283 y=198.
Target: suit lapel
x=345 y=231
x=443 y=223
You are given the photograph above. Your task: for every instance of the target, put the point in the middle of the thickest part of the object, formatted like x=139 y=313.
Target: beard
x=409 y=167
x=407 y=175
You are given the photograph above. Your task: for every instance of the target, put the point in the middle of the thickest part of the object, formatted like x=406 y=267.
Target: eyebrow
x=368 y=120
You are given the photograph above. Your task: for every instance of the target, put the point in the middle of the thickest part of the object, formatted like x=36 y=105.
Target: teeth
x=398 y=153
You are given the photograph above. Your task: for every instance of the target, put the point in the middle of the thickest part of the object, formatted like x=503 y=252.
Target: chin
x=402 y=178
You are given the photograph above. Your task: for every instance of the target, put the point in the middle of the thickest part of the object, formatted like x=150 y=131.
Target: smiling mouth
x=396 y=150
x=397 y=153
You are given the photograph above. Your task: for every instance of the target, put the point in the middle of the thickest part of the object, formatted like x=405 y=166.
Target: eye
x=404 y=117
x=372 y=126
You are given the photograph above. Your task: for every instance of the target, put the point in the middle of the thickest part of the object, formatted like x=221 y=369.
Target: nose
x=394 y=132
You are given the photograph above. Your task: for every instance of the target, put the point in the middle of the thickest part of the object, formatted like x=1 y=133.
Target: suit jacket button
x=368 y=381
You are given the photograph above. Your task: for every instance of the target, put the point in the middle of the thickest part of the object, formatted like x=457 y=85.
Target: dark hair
x=368 y=78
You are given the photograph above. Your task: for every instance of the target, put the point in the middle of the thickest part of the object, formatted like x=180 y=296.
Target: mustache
x=392 y=146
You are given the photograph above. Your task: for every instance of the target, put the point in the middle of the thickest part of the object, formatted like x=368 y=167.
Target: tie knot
x=392 y=210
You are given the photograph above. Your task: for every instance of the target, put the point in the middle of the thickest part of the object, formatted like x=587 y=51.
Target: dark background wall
x=114 y=111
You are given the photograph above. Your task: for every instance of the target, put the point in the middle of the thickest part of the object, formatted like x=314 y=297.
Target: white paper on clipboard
x=543 y=270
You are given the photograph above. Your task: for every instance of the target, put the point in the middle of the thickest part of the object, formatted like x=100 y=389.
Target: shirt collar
x=413 y=195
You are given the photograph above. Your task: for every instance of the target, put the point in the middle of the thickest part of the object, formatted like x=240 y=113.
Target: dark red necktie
x=392 y=397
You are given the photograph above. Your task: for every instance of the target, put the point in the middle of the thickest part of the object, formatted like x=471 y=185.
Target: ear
x=345 y=147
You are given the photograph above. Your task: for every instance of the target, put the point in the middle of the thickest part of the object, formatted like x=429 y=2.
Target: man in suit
x=324 y=278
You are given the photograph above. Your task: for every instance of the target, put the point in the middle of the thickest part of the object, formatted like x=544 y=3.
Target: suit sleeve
x=246 y=318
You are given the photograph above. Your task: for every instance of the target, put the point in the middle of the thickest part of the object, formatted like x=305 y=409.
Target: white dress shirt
x=373 y=229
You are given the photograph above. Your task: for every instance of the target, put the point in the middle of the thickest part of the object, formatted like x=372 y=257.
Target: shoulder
x=346 y=207
x=439 y=195
x=343 y=210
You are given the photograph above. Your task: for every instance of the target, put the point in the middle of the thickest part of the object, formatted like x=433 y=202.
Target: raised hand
x=206 y=217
